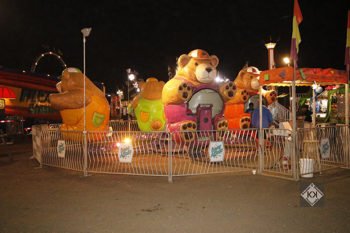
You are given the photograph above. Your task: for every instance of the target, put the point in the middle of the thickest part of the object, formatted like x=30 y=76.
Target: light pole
x=131 y=77
x=86 y=33
x=120 y=94
x=271 y=61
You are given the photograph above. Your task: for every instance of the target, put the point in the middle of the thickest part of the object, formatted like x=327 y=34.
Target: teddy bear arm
x=69 y=100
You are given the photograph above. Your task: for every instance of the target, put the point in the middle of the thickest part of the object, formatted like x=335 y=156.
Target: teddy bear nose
x=208 y=69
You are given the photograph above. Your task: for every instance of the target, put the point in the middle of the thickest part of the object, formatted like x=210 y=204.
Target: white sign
x=125 y=153
x=325 y=148
x=216 y=151
x=61 y=148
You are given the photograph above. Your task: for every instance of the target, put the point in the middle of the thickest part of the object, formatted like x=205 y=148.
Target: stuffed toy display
x=70 y=102
x=192 y=99
x=247 y=83
x=148 y=106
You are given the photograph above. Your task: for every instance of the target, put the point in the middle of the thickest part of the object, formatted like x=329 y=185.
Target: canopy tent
x=304 y=76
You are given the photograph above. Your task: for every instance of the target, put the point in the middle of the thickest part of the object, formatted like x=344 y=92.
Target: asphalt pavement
x=54 y=200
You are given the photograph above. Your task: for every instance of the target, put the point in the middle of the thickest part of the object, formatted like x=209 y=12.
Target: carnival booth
x=319 y=142
x=313 y=77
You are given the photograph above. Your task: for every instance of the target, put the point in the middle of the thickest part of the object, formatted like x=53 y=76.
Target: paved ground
x=59 y=201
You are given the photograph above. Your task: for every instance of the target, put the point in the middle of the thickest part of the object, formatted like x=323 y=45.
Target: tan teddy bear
x=196 y=71
x=70 y=102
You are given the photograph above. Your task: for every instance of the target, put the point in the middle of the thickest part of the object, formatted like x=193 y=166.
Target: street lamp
x=86 y=33
x=131 y=78
x=286 y=61
x=120 y=94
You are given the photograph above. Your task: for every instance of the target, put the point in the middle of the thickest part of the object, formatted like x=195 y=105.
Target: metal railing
x=325 y=147
x=189 y=153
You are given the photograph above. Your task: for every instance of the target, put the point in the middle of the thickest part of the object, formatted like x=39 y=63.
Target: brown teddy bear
x=248 y=79
x=196 y=71
x=70 y=102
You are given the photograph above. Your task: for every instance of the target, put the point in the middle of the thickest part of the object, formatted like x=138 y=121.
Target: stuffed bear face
x=248 y=78
x=202 y=70
x=71 y=78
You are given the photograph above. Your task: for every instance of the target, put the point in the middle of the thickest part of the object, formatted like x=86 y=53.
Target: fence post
x=85 y=153
x=170 y=158
x=261 y=150
x=37 y=143
x=295 y=155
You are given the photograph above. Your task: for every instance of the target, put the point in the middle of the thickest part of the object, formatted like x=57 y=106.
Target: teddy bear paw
x=244 y=95
x=245 y=122
x=187 y=129
x=222 y=125
x=185 y=92
x=229 y=90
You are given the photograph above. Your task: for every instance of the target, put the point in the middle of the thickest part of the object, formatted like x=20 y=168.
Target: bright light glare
x=286 y=60
x=127 y=140
x=131 y=77
x=218 y=79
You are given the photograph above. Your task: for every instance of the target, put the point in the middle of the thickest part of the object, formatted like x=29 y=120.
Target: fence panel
x=192 y=157
x=277 y=152
x=326 y=146
x=69 y=143
x=148 y=153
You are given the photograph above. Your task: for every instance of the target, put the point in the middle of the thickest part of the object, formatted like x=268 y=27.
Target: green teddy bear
x=148 y=106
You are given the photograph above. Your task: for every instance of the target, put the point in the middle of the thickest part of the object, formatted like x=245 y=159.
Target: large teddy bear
x=148 y=106
x=70 y=102
x=196 y=71
x=247 y=83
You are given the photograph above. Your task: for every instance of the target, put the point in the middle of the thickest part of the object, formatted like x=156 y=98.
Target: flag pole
x=294 y=125
x=347 y=62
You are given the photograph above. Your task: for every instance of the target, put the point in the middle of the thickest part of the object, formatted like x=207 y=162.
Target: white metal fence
x=188 y=153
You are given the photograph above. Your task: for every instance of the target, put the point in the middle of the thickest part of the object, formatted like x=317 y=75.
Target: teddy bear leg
x=245 y=122
x=220 y=124
x=185 y=131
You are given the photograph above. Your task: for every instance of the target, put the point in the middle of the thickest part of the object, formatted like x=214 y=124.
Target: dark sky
x=149 y=35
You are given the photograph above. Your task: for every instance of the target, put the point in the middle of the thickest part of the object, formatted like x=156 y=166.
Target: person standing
x=266 y=117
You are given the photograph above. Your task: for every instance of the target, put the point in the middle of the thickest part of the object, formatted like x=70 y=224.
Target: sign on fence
x=61 y=148
x=125 y=152
x=216 y=151
x=325 y=148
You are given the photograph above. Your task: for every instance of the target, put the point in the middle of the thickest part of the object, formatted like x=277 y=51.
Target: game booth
x=324 y=142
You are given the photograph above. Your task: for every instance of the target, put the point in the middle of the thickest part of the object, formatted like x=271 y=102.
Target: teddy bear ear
x=183 y=60
x=214 y=60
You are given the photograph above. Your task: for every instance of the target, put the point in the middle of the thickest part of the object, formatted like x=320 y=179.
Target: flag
x=347 y=47
x=296 y=38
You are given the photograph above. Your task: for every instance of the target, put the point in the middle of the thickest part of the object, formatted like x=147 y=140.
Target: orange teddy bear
x=70 y=102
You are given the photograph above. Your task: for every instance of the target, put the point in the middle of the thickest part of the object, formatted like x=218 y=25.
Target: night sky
x=148 y=36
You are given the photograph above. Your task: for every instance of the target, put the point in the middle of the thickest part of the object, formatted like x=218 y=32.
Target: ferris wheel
x=50 y=53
